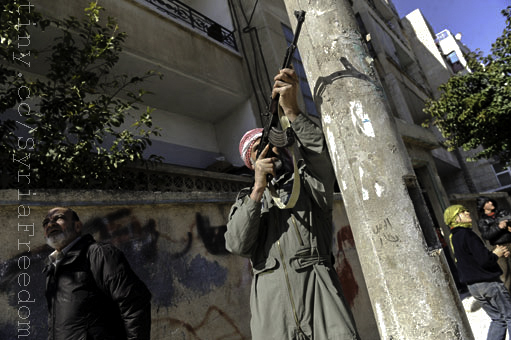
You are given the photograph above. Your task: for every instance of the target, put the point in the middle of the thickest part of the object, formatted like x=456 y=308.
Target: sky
x=479 y=21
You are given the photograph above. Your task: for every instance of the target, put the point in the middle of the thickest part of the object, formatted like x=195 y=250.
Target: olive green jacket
x=295 y=292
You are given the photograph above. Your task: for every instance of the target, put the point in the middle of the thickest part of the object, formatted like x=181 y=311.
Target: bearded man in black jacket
x=494 y=226
x=91 y=290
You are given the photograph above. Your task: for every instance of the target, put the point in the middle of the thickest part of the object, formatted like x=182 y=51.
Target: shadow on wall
x=172 y=271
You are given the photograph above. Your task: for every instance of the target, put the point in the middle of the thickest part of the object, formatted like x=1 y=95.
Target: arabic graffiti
x=385 y=231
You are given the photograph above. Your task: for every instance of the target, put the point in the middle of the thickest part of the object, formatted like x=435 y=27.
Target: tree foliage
x=12 y=38
x=474 y=109
x=80 y=122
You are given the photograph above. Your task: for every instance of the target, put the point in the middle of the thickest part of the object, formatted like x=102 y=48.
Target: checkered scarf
x=246 y=143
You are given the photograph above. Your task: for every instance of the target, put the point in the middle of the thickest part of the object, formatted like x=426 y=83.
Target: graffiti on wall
x=213 y=237
x=180 y=261
x=214 y=317
x=344 y=270
x=385 y=231
x=175 y=270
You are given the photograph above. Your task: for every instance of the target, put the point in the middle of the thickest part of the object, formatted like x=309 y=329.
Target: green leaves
x=475 y=109
x=82 y=138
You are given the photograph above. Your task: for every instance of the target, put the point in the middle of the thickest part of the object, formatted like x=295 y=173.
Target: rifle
x=272 y=131
x=504 y=218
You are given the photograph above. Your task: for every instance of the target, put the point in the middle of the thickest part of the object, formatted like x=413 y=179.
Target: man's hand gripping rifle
x=273 y=133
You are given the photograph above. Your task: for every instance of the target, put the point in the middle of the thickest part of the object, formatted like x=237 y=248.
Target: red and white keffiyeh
x=246 y=143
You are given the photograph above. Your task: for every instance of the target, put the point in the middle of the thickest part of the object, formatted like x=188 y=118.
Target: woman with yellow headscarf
x=479 y=270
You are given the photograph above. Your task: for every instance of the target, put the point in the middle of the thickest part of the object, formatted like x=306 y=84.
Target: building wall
x=230 y=130
x=204 y=81
x=423 y=43
x=482 y=172
x=448 y=44
x=454 y=182
x=215 y=9
x=175 y=244
x=432 y=57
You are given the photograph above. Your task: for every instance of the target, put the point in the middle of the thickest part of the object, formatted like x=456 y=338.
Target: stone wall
x=174 y=242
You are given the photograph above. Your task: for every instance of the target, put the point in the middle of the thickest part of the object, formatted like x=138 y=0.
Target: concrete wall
x=174 y=242
x=422 y=40
x=230 y=130
x=482 y=172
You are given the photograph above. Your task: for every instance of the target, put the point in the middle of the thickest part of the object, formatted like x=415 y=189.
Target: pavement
x=477 y=317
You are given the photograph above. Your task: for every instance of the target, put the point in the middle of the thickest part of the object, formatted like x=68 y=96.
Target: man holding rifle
x=494 y=225
x=295 y=293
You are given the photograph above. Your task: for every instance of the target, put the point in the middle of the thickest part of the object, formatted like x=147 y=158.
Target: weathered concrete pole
x=411 y=292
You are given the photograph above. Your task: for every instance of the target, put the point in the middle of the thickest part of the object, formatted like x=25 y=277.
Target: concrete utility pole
x=412 y=293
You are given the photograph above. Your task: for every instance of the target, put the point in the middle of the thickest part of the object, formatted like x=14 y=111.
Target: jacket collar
x=72 y=253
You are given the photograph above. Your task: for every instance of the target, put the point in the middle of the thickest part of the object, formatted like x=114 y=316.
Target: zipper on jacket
x=300 y=240
x=289 y=288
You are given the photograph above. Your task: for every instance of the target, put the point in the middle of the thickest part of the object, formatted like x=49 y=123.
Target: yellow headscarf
x=450 y=215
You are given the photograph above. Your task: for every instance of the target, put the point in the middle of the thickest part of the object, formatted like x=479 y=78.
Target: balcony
x=169 y=178
x=193 y=62
x=155 y=178
x=194 y=19
x=203 y=84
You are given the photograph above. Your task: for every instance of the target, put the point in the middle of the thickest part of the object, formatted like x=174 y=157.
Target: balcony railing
x=195 y=19
x=166 y=177
x=150 y=177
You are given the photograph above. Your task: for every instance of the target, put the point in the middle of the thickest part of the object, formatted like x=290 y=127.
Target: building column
x=412 y=293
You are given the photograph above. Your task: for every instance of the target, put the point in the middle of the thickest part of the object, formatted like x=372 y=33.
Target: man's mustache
x=53 y=230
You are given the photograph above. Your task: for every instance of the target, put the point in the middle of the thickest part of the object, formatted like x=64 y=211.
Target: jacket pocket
x=265 y=267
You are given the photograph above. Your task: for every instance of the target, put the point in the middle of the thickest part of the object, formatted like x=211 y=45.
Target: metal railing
x=195 y=19
x=166 y=177
x=149 y=177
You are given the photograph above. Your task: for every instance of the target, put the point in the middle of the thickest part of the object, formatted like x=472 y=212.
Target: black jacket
x=489 y=225
x=475 y=263
x=93 y=293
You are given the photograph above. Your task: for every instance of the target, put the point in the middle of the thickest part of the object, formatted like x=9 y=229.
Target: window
x=454 y=61
x=453 y=57
x=310 y=107
x=503 y=174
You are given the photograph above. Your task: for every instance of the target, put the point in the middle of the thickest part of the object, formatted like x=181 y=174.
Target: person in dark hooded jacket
x=91 y=290
x=493 y=225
